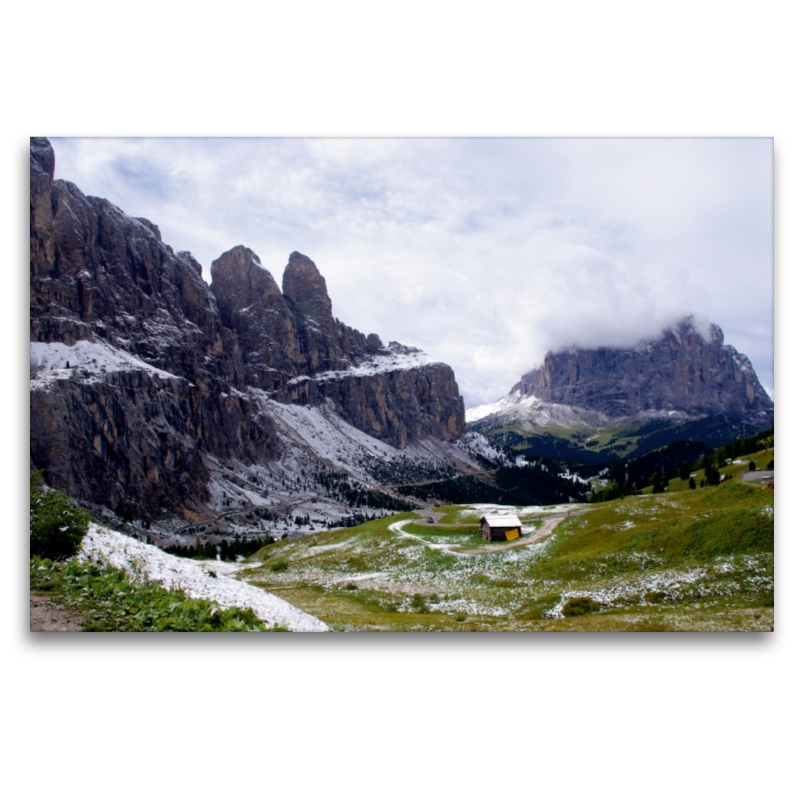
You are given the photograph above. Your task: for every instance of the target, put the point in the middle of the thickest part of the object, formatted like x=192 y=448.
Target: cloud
x=485 y=252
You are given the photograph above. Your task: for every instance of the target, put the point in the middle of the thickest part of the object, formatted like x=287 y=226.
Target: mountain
x=294 y=348
x=162 y=398
x=608 y=402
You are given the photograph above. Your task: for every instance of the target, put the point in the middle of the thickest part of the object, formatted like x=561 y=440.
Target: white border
x=393 y=716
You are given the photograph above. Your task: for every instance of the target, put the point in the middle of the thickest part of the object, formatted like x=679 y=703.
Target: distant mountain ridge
x=684 y=371
x=585 y=395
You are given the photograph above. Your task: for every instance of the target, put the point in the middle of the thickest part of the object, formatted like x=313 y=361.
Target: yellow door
x=512 y=534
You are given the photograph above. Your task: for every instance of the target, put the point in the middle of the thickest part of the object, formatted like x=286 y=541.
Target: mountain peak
x=689 y=370
x=305 y=288
x=43 y=159
x=238 y=281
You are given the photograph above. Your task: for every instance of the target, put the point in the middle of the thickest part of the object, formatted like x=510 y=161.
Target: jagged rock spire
x=305 y=288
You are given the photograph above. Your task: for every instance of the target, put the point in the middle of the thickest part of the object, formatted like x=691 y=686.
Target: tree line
x=678 y=460
x=227 y=549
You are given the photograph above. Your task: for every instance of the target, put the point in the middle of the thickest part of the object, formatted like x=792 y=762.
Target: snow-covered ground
x=514 y=401
x=396 y=359
x=323 y=432
x=477 y=445
x=538 y=413
x=52 y=361
x=194 y=578
x=516 y=406
x=491 y=509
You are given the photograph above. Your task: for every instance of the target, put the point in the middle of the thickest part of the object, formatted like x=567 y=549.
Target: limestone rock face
x=141 y=372
x=118 y=437
x=97 y=271
x=252 y=307
x=687 y=370
x=135 y=443
x=305 y=289
x=293 y=347
x=393 y=405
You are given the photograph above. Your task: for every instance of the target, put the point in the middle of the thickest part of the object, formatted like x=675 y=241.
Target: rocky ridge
x=687 y=371
x=150 y=388
x=686 y=384
x=294 y=348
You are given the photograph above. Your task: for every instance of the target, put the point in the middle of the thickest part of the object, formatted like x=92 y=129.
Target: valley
x=696 y=560
x=215 y=420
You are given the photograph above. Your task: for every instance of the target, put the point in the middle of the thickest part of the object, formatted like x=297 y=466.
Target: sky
x=485 y=253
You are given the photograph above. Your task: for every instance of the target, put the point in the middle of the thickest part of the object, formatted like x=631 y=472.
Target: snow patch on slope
x=514 y=401
x=49 y=362
x=397 y=358
x=477 y=445
x=529 y=410
x=192 y=577
x=321 y=430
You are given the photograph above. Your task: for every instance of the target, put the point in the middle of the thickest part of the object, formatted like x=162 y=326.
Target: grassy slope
x=617 y=440
x=696 y=560
x=760 y=459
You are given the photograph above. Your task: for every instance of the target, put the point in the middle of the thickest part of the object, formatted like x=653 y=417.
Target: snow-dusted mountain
x=606 y=399
x=153 y=393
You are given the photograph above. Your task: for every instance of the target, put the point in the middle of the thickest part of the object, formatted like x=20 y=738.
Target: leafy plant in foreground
x=57 y=524
x=110 y=600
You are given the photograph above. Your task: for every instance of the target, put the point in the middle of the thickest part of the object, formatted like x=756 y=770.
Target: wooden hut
x=500 y=528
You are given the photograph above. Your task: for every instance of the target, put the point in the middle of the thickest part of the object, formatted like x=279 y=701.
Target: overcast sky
x=486 y=253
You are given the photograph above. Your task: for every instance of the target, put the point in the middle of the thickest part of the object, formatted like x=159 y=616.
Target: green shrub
x=279 y=566
x=419 y=605
x=57 y=525
x=578 y=606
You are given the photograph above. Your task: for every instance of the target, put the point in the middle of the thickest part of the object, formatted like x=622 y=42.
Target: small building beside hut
x=500 y=528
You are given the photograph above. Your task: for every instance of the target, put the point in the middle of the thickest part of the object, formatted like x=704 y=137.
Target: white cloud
x=485 y=252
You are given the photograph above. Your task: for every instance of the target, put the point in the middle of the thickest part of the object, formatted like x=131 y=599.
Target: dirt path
x=46 y=615
x=546 y=529
x=428 y=512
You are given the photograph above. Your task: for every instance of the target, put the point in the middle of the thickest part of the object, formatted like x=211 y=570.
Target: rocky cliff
x=687 y=370
x=293 y=347
x=109 y=431
x=95 y=271
x=141 y=372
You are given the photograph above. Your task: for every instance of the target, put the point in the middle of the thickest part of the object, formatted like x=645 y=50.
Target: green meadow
x=695 y=560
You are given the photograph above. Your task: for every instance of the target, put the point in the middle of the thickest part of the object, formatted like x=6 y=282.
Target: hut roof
x=502 y=521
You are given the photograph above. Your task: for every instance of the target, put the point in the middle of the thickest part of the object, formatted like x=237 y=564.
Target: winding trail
x=547 y=528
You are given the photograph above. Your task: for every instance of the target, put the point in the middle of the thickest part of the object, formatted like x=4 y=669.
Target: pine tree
x=712 y=476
